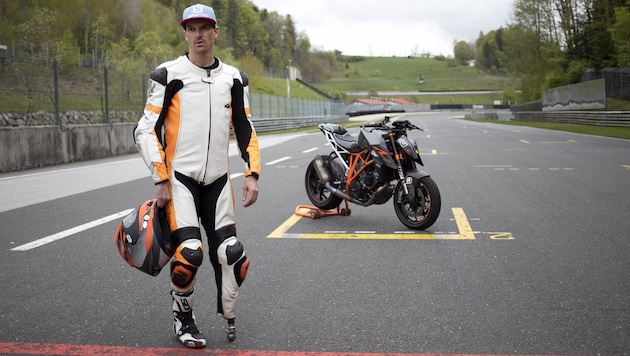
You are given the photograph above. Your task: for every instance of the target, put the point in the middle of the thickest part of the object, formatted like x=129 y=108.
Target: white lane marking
x=310 y=150
x=278 y=160
x=68 y=169
x=77 y=229
x=72 y=231
x=494 y=166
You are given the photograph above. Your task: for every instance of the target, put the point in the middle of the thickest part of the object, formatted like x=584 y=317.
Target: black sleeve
x=242 y=126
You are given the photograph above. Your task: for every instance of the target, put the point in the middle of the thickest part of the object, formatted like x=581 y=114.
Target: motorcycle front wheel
x=421 y=213
x=317 y=193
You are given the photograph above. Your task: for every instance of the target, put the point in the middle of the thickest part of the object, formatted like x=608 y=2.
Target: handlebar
x=398 y=124
x=405 y=124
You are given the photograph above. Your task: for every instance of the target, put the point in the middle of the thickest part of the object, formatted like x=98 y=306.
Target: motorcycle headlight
x=409 y=146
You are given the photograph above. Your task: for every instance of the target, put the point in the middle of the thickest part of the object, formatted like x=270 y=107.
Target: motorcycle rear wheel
x=424 y=211
x=317 y=193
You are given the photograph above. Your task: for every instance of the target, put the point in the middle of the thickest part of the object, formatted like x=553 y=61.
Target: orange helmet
x=143 y=238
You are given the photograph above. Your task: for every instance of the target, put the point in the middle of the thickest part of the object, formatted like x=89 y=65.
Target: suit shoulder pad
x=245 y=79
x=160 y=75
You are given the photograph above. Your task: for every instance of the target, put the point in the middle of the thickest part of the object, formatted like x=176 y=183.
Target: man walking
x=183 y=137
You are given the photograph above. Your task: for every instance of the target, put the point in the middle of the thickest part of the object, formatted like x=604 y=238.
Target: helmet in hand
x=143 y=238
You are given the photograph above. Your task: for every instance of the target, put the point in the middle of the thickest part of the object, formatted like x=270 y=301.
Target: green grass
x=401 y=74
x=616 y=132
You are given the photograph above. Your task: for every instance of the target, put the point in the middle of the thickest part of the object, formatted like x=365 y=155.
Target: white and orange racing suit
x=183 y=137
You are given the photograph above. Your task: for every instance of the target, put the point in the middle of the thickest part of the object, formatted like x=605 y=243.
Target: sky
x=392 y=27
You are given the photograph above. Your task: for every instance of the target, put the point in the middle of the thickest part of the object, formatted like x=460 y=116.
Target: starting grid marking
x=16 y=348
x=465 y=232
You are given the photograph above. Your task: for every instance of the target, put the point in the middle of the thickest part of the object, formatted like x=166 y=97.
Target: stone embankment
x=73 y=117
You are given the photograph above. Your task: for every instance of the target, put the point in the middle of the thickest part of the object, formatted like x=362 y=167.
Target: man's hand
x=250 y=191
x=162 y=194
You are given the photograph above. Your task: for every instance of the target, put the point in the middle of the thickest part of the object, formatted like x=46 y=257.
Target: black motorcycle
x=372 y=169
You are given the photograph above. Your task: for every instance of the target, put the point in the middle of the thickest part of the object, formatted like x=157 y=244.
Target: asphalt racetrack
x=530 y=255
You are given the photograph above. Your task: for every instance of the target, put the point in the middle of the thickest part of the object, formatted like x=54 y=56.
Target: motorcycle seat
x=334 y=128
x=342 y=137
x=348 y=142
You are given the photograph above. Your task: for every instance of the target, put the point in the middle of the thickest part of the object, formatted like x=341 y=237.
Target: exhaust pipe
x=324 y=177
x=321 y=171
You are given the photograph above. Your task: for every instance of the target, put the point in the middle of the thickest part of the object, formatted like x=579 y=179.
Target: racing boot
x=184 y=320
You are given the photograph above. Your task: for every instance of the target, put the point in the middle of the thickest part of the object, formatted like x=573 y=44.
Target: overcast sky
x=392 y=27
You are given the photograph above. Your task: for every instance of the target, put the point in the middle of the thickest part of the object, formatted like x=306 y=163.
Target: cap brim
x=184 y=22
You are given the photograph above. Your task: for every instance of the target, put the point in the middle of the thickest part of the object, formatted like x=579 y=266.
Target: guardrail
x=289 y=123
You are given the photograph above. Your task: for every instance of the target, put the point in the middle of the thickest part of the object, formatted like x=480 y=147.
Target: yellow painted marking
x=524 y=141
x=626 y=166
x=465 y=232
x=280 y=231
x=501 y=235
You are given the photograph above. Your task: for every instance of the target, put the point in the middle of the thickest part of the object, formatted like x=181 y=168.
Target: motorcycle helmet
x=143 y=238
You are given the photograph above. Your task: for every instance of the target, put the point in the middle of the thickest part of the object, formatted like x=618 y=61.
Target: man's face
x=200 y=35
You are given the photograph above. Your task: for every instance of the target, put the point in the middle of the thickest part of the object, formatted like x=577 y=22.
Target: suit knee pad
x=186 y=261
x=234 y=265
x=231 y=253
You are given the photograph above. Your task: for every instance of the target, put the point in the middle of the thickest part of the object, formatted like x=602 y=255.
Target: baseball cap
x=198 y=12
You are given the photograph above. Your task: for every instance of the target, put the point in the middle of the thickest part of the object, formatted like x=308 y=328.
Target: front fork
x=407 y=181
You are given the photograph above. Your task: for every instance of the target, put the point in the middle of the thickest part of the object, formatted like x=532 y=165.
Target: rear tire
x=424 y=211
x=317 y=193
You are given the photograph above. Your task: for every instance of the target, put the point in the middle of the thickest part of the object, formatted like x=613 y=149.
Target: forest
x=547 y=43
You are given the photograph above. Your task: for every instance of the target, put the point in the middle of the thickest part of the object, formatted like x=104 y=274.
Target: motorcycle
x=372 y=169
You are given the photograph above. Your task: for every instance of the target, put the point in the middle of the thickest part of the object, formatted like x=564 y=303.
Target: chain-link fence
x=617 y=82
x=49 y=95
x=269 y=106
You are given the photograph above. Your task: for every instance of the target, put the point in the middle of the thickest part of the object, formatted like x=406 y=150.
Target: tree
x=463 y=52
x=252 y=66
x=620 y=33
x=255 y=37
x=289 y=39
x=67 y=51
x=36 y=34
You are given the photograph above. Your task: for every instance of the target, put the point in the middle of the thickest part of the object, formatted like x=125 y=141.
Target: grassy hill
x=400 y=74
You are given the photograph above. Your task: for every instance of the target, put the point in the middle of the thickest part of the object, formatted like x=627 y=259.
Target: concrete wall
x=589 y=95
x=39 y=146
x=25 y=147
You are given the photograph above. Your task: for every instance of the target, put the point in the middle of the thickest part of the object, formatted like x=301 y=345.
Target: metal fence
x=29 y=89
x=617 y=82
x=269 y=106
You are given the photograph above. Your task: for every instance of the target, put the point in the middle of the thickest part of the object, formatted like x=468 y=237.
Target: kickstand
x=316 y=213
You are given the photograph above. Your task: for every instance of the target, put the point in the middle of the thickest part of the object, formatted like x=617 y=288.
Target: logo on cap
x=198 y=9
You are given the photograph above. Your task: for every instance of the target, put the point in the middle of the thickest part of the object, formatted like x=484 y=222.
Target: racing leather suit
x=183 y=137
